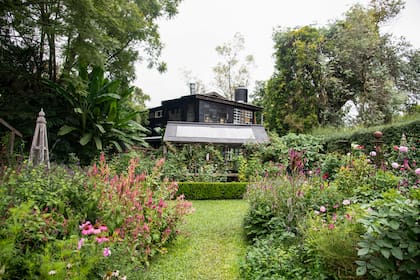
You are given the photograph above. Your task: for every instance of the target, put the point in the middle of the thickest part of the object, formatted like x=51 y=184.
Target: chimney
x=192 y=89
x=241 y=95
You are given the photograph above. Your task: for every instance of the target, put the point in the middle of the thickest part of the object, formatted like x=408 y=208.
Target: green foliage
x=290 y=102
x=389 y=249
x=212 y=190
x=330 y=239
x=275 y=206
x=102 y=117
x=196 y=162
x=270 y=259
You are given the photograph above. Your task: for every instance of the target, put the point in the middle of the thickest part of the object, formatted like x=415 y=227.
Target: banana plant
x=102 y=115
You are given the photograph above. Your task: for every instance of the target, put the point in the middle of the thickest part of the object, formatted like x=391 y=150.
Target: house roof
x=195 y=132
x=213 y=97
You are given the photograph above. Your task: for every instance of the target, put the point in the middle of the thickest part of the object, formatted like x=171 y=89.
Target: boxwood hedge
x=212 y=190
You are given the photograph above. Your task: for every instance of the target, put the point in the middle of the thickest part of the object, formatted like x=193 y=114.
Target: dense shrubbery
x=212 y=190
x=356 y=217
x=70 y=224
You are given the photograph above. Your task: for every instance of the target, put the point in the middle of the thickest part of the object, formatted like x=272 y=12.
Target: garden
x=303 y=209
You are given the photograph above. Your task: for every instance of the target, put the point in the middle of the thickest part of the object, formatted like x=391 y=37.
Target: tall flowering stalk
x=140 y=209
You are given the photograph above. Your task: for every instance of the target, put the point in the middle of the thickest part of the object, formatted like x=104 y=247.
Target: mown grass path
x=210 y=247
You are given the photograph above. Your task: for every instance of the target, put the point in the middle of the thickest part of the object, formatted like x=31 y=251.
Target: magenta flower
x=87 y=230
x=80 y=243
x=403 y=149
x=395 y=165
x=101 y=239
x=322 y=209
x=103 y=228
x=107 y=252
x=346 y=202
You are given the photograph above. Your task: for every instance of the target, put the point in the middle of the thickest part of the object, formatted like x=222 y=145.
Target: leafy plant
x=390 y=248
x=102 y=116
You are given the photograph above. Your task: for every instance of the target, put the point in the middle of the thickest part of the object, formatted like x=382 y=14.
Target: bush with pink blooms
x=66 y=223
x=352 y=225
x=142 y=212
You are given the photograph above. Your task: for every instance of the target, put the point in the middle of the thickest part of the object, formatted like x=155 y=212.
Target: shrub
x=390 y=247
x=330 y=239
x=268 y=258
x=137 y=209
x=212 y=190
x=275 y=206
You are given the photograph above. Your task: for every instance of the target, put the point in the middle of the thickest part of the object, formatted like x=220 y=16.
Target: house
x=206 y=108
x=208 y=118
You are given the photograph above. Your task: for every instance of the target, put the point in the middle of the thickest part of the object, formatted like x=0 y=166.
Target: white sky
x=190 y=38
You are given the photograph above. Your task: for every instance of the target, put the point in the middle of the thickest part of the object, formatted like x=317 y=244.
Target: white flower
x=346 y=202
x=52 y=272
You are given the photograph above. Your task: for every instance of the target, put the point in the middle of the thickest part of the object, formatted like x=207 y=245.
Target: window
x=242 y=116
x=158 y=114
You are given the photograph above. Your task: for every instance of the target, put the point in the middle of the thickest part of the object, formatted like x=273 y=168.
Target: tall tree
x=47 y=39
x=320 y=70
x=232 y=71
x=290 y=102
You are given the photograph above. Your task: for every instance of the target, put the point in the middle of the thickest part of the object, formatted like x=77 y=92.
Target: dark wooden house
x=207 y=108
x=215 y=114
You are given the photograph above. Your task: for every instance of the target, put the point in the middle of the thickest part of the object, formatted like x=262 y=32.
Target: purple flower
x=80 y=243
x=395 y=165
x=107 y=252
x=403 y=149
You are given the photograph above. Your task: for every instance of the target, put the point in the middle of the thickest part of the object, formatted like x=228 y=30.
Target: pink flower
x=348 y=217
x=322 y=209
x=146 y=228
x=102 y=239
x=372 y=154
x=417 y=171
x=334 y=217
x=395 y=165
x=346 y=202
x=96 y=231
x=103 y=228
x=331 y=226
x=86 y=224
x=107 y=252
x=396 y=148
x=403 y=149
x=87 y=230
x=80 y=243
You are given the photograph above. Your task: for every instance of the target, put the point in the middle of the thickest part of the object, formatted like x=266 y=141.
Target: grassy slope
x=211 y=246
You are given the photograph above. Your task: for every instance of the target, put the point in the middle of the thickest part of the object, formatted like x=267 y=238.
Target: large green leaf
x=117 y=146
x=98 y=142
x=85 y=139
x=100 y=127
x=65 y=129
x=106 y=97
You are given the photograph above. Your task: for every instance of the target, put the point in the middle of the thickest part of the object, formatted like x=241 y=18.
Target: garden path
x=210 y=247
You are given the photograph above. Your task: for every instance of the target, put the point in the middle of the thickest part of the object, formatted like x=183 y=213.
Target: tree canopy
x=50 y=39
x=319 y=71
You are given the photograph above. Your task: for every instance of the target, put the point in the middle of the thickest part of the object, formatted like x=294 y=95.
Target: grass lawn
x=210 y=247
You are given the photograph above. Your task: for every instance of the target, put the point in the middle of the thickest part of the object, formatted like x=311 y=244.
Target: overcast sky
x=190 y=38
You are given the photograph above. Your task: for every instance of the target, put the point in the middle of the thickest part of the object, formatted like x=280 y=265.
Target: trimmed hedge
x=212 y=190
x=391 y=136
